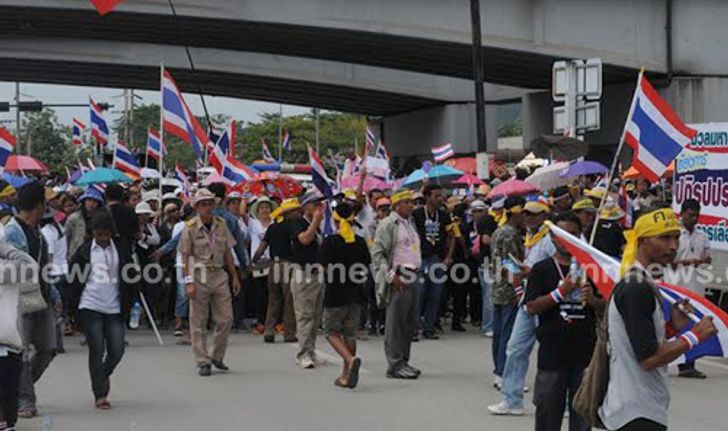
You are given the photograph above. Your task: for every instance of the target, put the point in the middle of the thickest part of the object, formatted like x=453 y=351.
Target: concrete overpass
x=408 y=61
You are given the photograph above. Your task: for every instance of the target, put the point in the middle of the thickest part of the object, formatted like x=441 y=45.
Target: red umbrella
x=465 y=164
x=512 y=187
x=273 y=184
x=24 y=164
x=468 y=180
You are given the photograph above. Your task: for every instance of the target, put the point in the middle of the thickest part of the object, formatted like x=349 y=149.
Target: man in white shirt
x=692 y=260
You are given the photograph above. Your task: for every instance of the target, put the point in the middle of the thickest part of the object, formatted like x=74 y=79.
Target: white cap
x=478 y=205
x=143 y=208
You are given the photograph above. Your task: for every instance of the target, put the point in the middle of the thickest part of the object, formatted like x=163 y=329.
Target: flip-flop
x=338 y=383
x=353 y=379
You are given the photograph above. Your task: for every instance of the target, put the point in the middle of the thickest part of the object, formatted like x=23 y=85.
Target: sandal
x=338 y=383
x=27 y=412
x=103 y=404
x=353 y=378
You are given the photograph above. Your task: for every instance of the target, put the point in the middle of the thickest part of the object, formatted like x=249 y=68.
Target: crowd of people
x=372 y=264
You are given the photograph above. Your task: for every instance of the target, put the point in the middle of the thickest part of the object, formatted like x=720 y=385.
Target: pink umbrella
x=512 y=187
x=17 y=163
x=352 y=182
x=468 y=180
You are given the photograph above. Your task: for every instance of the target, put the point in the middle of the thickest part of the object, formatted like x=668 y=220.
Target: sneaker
x=692 y=373
x=305 y=363
x=498 y=382
x=220 y=365
x=501 y=409
x=488 y=334
x=205 y=370
x=318 y=361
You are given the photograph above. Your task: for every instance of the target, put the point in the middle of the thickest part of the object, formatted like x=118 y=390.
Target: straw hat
x=287 y=205
x=584 y=205
x=203 y=195
x=260 y=200
x=611 y=213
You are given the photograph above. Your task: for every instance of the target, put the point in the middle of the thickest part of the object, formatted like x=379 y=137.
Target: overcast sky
x=245 y=110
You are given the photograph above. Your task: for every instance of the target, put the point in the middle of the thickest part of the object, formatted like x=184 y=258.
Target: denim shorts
x=342 y=320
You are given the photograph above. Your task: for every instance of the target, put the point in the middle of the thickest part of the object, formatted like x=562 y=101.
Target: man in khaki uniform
x=206 y=247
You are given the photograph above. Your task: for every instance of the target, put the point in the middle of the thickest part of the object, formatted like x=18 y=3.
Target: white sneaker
x=501 y=409
x=489 y=334
x=498 y=382
x=318 y=361
x=526 y=389
x=305 y=362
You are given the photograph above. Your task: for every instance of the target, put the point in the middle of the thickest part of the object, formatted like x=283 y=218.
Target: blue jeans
x=105 y=338
x=518 y=353
x=486 y=284
x=503 y=318
x=430 y=293
x=181 y=303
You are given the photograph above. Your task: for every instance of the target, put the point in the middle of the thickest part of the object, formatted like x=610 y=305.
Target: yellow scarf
x=345 y=229
x=454 y=227
x=533 y=239
x=497 y=217
x=504 y=218
x=658 y=222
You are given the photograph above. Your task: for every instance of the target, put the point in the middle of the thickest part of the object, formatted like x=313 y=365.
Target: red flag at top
x=105 y=6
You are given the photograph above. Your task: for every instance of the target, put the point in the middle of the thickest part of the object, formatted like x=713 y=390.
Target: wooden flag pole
x=616 y=157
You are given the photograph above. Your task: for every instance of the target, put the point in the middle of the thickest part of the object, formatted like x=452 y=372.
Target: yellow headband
x=7 y=192
x=402 y=195
x=655 y=223
x=345 y=229
x=515 y=210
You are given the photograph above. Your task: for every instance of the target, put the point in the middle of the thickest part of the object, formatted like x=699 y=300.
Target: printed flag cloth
x=267 y=156
x=382 y=152
x=155 y=146
x=318 y=175
x=231 y=171
x=125 y=161
x=182 y=177
x=442 y=152
x=77 y=130
x=226 y=140
x=178 y=119
x=654 y=132
x=286 y=140
x=99 y=129
x=603 y=270
x=105 y=6
x=626 y=204
x=7 y=146
x=371 y=140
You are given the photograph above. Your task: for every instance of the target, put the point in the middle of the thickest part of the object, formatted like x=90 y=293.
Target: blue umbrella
x=15 y=180
x=437 y=171
x=586 y=167
x=103 y=176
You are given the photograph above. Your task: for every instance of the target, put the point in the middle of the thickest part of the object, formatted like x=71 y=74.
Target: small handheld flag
x=182 y=177
x=7 y=146
x=267 y=156
x=77 y=131
x=125 y=161
x=226 y=141
x=318 y=175
x=654 y=131
x=178 y=119
x=371 y=140
x=99 y=129
x=442 y=152
x=382 y=152
x=155 y=146
x=286 y=142
x=231 y=171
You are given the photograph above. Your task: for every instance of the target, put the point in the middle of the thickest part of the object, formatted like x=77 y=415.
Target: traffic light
x=30 y=106
x=4 y=106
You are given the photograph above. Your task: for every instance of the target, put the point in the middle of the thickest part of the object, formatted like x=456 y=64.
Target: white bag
x=9 y=304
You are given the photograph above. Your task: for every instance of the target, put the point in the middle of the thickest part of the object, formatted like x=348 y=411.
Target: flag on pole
x=267 y=156
x=177 y=117
x=99 y=129
x=226 y=141
x=371 y=140
x=318 y=175
x=286 y=143
x=442 y=152
x=654 y=132
x=105 y=6
x=382 y=152
x=125 y=161
x=155 y=146
x=182 y=177
x=7 y=146
x=604 y=272
x=626 y=204
x=230 y=170
x=77 y=130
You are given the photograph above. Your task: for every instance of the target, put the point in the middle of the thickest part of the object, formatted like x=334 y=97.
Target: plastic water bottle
x=136 y=313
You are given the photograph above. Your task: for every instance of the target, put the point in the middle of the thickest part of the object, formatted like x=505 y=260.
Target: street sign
x=589 y=79
x=560 y=81
x=573 y=83
x=588 y=118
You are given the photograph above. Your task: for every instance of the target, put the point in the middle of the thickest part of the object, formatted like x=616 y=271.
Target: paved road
x=157 y=389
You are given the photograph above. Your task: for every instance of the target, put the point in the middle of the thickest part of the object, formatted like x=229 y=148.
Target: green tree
x=50 y=141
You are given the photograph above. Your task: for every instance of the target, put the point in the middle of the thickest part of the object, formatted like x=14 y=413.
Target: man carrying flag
x=638 y=395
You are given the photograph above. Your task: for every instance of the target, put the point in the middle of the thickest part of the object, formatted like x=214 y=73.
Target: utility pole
x=478 y=75
x=316 y=112
x=280 y=132
x=17 y=111
x=131 y=115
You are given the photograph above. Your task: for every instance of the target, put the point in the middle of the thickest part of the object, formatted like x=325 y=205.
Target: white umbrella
x=547 y=177
x=149 y=173
x=531 y=161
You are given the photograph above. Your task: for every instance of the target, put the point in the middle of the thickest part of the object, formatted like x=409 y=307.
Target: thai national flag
x=182 y=177
x=126 y=161
x=155 y=146
x=99 y=129
x=230 y=170
x=7 y=146
x=626 y=204
x=77 y=130
x=267 y=156
x=286 y=142
x=178 y=119
x=603 y=270
x=654 y=132
x=371 y=140
x=442 y=152
x=382 y=152
x=105 y=6
x=226 y=141
x=318 y=175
